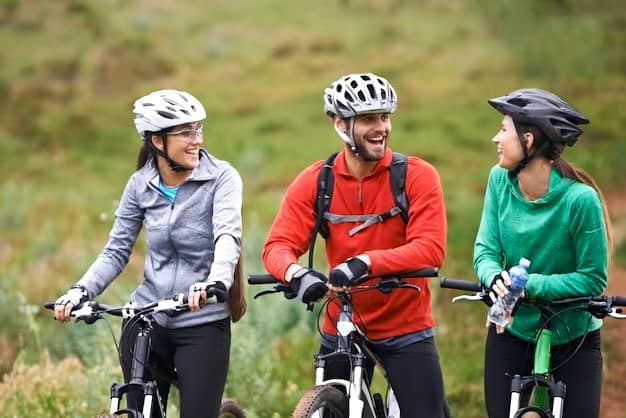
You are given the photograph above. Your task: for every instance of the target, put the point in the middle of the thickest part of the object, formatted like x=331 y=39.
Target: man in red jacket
x=399 y=324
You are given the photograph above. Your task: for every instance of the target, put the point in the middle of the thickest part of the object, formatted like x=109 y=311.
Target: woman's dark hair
x=146 y=153
x=552 y=152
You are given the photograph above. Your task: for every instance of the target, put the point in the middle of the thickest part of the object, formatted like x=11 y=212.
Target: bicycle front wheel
x=230 y=409
x=322 y=402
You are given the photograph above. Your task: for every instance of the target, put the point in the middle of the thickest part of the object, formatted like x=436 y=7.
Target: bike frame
x=356 y=388
x=543 y=388
x=361 y=402
x=91 y=311
x=140 y=357
x=544 y=391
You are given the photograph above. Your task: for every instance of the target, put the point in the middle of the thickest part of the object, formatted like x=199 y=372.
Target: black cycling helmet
x=556 y=119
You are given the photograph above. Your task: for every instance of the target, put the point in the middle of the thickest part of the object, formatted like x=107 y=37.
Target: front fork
x=354 y=387
x=542 y=385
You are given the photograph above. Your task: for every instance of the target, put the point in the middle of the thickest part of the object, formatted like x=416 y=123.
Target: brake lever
x=86 y=313
x=410 y=286
x=616 y=313
x=476 y=296
x=276 y=289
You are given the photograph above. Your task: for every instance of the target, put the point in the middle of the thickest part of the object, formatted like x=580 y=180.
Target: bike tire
x=446 y=409
x=331 y=399
x=230 y=409
x=532 y=412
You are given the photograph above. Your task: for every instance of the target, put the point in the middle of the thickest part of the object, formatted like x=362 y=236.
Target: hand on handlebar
x=309 y=285
x=343 y=274
x=64 y=304
x=499 y=288
x=200 y=292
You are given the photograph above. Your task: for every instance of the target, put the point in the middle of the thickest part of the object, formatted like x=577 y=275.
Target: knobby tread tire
x=328 y=397
x=230 y=409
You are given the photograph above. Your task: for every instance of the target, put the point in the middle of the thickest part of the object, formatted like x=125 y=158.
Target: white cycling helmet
x=163 y=109
x=356 y=94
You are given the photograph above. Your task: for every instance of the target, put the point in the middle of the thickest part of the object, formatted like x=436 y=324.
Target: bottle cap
x=524 y=262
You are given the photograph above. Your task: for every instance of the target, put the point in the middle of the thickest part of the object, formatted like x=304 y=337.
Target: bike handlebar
x=470 y=286
x=90 y=311
x=599 y=306
x=257 y=279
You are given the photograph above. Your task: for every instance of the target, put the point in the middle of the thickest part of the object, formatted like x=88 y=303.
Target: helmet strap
x=524 y=162
x=349 y=138
x=171 y=163
x=527 y=159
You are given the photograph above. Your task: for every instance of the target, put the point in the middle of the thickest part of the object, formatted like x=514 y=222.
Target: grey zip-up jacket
x=180 y=236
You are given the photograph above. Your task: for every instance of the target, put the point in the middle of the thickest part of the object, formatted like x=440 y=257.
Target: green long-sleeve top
x=562 y=233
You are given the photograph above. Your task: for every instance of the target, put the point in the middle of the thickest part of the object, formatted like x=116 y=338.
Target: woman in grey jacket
x=190 y=205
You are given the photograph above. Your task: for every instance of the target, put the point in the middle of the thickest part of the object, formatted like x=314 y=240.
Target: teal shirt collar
x=556 y=185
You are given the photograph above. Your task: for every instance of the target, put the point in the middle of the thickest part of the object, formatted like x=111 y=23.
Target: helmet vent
x=357 y=94
x=164 y=109
x=518 y=101
x=166 y=115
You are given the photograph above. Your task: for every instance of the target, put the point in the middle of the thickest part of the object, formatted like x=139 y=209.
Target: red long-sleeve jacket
x=392 y=245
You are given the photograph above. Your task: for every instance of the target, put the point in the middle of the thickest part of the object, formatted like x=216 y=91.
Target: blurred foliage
x=71 y=70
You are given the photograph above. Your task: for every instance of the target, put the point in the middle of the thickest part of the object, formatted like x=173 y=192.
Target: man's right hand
x=64 y=305
x=309 y=285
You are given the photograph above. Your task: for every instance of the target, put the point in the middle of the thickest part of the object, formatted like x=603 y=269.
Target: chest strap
x=366 y=220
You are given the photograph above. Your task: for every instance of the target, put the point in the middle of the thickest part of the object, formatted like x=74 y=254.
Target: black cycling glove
x=491 y=291
x=309 y=285
x=217 y=289
x=344 y=273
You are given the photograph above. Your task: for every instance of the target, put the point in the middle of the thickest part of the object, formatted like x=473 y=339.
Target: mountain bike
x=348 y=397
x=143 y=317
x=547 y=396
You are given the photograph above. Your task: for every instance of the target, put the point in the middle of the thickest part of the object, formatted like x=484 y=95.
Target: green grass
x=72 y=69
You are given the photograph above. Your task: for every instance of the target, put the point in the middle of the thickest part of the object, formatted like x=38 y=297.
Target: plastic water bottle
x=500 y=311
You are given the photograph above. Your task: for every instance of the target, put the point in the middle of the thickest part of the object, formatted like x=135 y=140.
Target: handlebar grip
x=262 y=279
x=49 y=305
x=619 y=300
x=467 y=285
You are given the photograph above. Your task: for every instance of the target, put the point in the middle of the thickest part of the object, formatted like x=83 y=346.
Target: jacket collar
x=205 y=171
x=342 y=168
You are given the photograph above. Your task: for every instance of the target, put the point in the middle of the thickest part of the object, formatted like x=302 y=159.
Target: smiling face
x=371 y=135
x=509 y=149
x=183 y=144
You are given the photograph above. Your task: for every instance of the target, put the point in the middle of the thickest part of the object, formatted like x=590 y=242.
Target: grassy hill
x=71 y=70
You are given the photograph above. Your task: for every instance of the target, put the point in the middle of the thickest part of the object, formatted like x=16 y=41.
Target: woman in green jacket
x=538 y=206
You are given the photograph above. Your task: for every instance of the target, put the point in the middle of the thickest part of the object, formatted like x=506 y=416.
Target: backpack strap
x=397 y=178
x=322 y=202
x=325 y=179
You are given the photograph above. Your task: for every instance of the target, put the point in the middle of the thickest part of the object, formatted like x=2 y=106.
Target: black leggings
x=413 y=372
x=200 y=357
x=506 y=355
